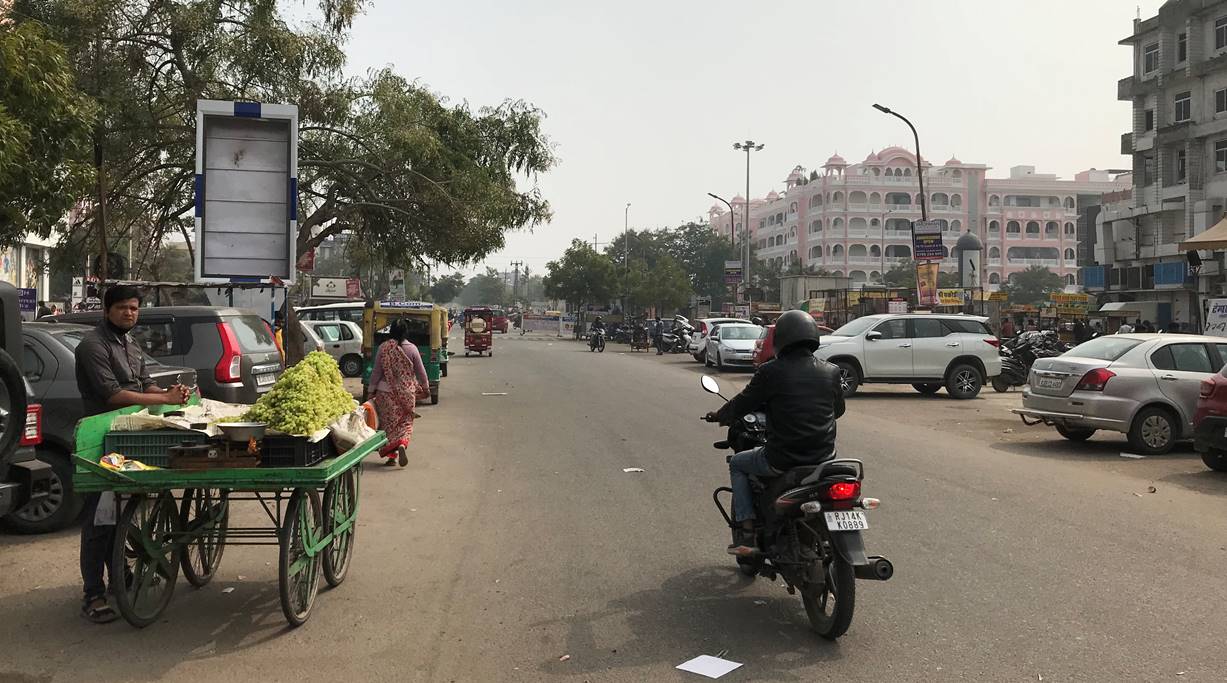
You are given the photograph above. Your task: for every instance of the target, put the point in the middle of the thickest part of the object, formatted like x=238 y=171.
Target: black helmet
x=795 y=328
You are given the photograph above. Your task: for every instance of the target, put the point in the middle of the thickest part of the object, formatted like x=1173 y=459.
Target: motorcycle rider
x=802 y=397
x=598 y=325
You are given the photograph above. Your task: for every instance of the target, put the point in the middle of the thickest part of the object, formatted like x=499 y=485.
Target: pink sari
x=395 y=407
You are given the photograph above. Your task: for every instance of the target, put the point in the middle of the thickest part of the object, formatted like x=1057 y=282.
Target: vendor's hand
x=179 y=394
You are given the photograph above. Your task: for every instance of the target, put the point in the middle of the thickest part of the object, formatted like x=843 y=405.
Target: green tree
x=488 y=289
x=1032 y=286
x=45 y=133
x=447 y=288
x=702 y=253
x=581 y=276
x=903 y=274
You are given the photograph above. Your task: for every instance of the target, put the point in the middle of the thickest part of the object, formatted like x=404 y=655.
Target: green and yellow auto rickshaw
x=427 y=331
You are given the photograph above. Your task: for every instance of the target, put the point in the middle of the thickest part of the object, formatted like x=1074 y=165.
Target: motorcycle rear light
x=993 y=342
x=1095 y=380
x=1206 y=390
x=843 y=490
x=32 y=433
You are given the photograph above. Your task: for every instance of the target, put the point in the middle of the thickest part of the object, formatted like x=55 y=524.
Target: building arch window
x=1054 y=202
x=792 y=232
x=837 y=197
x=994 y=200
x=898 y=224
x=762 y=223
x=957 y=173
x=956 y=225
x=939 y=199
x=1051 y=228
x=876 y=172
x=837 y=251
x=994 y=227
x=857 y=277
x=994 y=278
x=857 y=223
x=898 y=251
x=792 y=256
x=792 y=208
x=898 y=199
x=1069 y=256
x=956 y=200
x=1013 y=228
x=815 y=226
x=944 y=223
x=890 y=172
x=815 y=201
x=837 y=224
x=1032 y=254
x=770 y=220
x=875 y=223
x=838 y=273
x=1033 y=227
x=875 y=199
x=994 y=252
x=779 y=217
x=1069 y=203
x=857 y=250
x=1069 y=229
x=815 y=252
x=875 y=251
x=907 y=172
x=1070 y=280
x=857 y=197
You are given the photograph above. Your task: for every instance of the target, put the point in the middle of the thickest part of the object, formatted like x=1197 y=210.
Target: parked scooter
x=812 y=519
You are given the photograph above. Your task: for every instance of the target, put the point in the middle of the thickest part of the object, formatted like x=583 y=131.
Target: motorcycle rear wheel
x=830 y=606
x=1000 y=385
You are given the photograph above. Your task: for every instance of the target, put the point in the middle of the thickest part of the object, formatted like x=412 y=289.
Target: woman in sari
x=398 y=380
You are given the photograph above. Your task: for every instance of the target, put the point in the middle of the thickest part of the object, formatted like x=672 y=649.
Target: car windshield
x=739 y=332
x=856 y=327
x=1104 y=348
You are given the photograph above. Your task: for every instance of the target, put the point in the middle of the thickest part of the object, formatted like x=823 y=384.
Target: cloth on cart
x=396 y=391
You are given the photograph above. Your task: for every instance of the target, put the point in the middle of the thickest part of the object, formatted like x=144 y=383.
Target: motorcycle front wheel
x=1000 y=384
x=829 y=606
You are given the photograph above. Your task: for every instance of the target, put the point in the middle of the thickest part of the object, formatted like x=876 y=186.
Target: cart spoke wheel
x=340 y=520
x=145 y=558
x=299 y=558
x=204 y=516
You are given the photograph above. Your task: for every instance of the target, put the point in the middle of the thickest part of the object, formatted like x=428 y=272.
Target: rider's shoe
x=744 y=543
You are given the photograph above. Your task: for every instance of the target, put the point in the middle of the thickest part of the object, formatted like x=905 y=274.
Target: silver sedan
x=1142 y=385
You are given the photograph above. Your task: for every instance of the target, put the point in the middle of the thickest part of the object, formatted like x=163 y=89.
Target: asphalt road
x=514 y=548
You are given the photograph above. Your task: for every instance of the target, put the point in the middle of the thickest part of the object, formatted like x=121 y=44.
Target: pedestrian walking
x=399 y=380
x=1007 y=328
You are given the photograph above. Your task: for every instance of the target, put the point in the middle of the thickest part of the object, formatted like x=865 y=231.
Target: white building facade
x=855 y=219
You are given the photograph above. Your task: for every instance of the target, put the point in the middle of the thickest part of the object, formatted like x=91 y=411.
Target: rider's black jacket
x=802 y=397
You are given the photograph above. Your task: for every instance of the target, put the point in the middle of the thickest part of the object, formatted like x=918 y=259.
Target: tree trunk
x=292 y=338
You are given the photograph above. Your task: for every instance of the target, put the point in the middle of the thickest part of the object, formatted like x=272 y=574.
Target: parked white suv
x=926 y=350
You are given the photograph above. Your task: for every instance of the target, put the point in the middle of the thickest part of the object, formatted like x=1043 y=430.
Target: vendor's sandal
x=99 y=612
x=402 y=455
x=390 y=461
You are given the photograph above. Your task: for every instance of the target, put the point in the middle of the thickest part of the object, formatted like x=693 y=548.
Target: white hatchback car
x=732 y=345
x=926 y=350
x=342 y=340
x=698 y=340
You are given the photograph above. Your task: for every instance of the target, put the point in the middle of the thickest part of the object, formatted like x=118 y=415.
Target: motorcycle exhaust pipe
x=878 y=569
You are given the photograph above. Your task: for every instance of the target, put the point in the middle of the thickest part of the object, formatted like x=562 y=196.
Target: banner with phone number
x=926 y=283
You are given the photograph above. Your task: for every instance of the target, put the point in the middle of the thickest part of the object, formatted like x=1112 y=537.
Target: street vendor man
x=111 y=374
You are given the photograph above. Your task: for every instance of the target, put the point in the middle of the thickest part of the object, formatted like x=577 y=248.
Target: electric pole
x=515 y=282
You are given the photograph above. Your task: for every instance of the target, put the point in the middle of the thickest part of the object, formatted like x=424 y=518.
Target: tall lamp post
x=732 y=217
x=626 y=258
x=748 y=146
x=920 y=175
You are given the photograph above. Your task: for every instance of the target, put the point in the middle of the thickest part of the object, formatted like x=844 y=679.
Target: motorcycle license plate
x=846 y=520
x=1050 y=382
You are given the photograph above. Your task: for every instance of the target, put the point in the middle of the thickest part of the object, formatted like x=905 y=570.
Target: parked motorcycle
x=596 y=341
x=810 y=535
x=1020 y=352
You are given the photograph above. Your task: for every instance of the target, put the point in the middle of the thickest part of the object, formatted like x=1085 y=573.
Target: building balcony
x=994 y=262
x=1129 y=88
x=1126 y=143
x=1050 y=262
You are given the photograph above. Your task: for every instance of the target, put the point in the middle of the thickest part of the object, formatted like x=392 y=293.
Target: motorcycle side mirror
x=873 y=336
x=710 y=385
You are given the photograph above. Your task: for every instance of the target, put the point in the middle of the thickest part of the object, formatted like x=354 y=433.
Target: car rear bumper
x=1077 y=410
x=1210 y=435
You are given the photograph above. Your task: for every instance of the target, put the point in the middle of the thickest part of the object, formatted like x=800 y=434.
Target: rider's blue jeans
x=741 y=467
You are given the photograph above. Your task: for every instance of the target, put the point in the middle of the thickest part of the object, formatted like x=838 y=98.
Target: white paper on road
x=1134 y=456
x=493 y=393
x=706 y=665
x=633 y=469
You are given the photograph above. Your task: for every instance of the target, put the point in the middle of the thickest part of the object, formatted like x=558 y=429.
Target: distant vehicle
x=1210 y=421
x=500 y=320
x=343 y=341
x=732 y=345
x=233 y=351
x=1146 y=386
x=764 y=349
x=702 y=326
x=345 y=310
x=926 y=350
x=24 y=479
x=51 y=370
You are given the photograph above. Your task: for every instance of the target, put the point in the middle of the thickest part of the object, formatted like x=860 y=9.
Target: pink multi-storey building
x=854 y=219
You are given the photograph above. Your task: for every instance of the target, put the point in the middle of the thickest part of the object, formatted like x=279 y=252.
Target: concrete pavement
x=514 y=539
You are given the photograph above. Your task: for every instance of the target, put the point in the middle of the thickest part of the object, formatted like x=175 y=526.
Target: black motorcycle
x=596 y=341
x=810 y=529
x=1020 y=353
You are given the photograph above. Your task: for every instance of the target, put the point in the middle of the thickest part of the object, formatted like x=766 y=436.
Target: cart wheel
x=340 y=507
x=204 y=516
x=145 y=557
x=299 y=559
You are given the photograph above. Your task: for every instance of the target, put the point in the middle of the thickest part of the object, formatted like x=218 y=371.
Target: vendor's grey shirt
x=108 y=361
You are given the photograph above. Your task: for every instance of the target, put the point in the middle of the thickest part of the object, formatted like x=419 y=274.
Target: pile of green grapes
x=305 y=399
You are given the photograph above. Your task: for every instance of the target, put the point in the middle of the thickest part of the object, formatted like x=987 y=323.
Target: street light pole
x=920 y=176
x=626 y=257
x=748 y=146
x=732 y=218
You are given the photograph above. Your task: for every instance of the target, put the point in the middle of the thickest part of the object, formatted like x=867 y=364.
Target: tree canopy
x=488 y=288
x=447 y=288
x=380 y=155
x=1032 y=286
x=581 y=276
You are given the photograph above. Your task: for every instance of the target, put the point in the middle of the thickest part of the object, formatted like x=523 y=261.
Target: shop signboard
x=927 y=240
x=1216 y=318
x=949 y=297
x=732 y=272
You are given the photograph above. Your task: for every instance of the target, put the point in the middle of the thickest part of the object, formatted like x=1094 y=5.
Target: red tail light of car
x=1095 y=380
x=993 y=342
x=228 y=369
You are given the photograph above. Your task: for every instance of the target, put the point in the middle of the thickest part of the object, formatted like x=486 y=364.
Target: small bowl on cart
x=243 y=431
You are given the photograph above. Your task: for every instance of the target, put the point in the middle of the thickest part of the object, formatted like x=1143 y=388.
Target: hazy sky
x=644 y=99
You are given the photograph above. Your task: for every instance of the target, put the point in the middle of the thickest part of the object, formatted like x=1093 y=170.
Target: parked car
x=732 y=345
x=50 y=369
x=702 y=326
x=1146 y=386
x=24 y=479
x=232 y=351
x=764 y=348
x=500 y=322
x=1210 y=421
x=341 y=310
x=343 y=341
x=925 y=350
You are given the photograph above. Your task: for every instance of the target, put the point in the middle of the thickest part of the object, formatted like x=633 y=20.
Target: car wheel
x=1153 y=431
x=351 y=366
x=1075 y=433
x=927 y=389
x=849 y=379
x=58 y=510
x=963 y=382
x=1215 y=460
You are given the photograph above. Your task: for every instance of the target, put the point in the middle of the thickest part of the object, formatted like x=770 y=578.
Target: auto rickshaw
x=478 y=330
x=427 y=326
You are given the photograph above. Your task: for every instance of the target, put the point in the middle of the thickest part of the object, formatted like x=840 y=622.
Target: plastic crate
x=150 y=446
x=294 y=451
